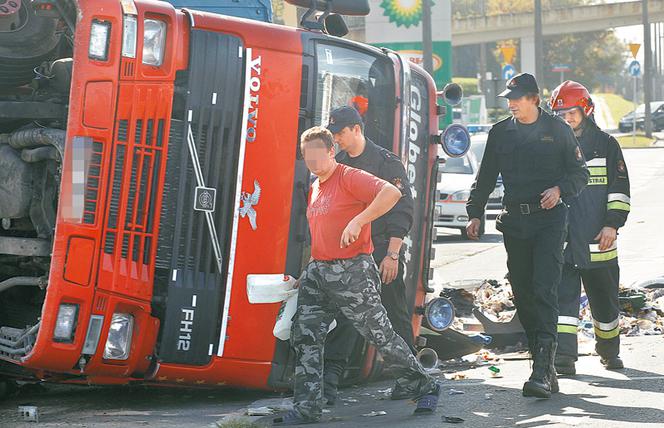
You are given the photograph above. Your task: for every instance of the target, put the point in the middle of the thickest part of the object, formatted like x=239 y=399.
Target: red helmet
x=570 y=94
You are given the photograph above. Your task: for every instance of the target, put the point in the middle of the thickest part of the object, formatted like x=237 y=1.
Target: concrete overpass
x=484 y=29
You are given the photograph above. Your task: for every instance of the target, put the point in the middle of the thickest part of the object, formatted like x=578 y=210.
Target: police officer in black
x=387 y=233
x=541 y=164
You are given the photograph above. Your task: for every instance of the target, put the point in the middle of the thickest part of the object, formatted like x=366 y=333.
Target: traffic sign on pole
x=634 y=68
x=634 y=47
x=508 y=71
x=508 y=53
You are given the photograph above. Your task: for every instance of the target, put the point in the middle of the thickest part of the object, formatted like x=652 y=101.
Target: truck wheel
x=25 y=44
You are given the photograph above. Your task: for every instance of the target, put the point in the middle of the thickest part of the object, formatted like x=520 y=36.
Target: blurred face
x=348 y=137
x=524 y=109
x=318 y=158
x=573 y=116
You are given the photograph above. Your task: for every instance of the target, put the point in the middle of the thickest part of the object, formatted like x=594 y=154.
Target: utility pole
x=539 y=49
x=427 y=44
x=647 y=69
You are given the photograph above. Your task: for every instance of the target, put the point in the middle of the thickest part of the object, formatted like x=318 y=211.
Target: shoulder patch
x=620 y=166
x=397 y=183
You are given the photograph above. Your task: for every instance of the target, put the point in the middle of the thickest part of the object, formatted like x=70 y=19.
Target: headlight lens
x=129 y=36
x=100 y=33
x=439 y=314
x=461 y=196
x=118 y=342
x=65 y=324
x=455 y=140
x=154 y=39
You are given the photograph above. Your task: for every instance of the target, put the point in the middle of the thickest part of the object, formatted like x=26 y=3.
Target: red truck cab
x=165 y=174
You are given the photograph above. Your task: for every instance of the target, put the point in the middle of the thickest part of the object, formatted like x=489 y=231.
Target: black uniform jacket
x=384 y=164
x=604 y=202
x=546 y=158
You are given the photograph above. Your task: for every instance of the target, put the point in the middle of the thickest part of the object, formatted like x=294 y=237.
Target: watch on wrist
x=393 y=255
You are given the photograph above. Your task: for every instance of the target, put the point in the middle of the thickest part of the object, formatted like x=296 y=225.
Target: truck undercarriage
x=36 y=45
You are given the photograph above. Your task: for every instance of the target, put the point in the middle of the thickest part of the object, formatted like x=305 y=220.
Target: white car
x=477 y=146
x=458 y=175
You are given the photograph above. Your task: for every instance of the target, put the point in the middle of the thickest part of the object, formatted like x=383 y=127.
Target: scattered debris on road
x=375 y=413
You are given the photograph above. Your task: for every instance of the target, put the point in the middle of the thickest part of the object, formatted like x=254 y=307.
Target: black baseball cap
x=520 y=85
x=342 y=117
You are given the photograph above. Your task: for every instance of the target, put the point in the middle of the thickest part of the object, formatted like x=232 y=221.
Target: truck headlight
x=438 y=314
x=65 y=324
x=460 y=196
x=118 y=342
x=154 y=39
x=100 y=33
x=129 y=36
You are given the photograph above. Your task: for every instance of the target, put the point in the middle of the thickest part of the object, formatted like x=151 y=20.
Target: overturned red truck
x=149 y=163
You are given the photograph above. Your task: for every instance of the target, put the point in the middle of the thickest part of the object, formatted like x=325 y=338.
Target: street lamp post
x=427 y=43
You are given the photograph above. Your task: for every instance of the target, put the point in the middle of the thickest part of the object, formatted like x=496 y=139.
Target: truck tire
x=33 y=41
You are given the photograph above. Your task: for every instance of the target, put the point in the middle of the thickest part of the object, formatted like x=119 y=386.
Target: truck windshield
x=351 y=77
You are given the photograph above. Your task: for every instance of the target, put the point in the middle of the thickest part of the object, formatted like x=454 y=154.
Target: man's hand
x=606 y=237
x=473 y=228
x=350 y=233
x=388 y=269
x=550 y=198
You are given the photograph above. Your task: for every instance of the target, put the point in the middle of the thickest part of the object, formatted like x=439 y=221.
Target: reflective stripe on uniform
x=607 y=334
x=597 y=171
x=596 y=162
x=618 y=206
x=618 y=201
x=620 y=197
x=568 y=320
x=606 y=326
x=594 y=248
x=601 y=256
x=569 y=329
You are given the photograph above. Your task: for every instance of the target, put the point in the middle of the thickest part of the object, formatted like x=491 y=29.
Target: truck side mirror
x=335 y=25
x=452 y=94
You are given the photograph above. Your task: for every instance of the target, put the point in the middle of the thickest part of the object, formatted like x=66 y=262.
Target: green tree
x=597 y=59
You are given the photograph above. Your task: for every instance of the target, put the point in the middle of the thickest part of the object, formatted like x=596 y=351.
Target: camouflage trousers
x=352 y=287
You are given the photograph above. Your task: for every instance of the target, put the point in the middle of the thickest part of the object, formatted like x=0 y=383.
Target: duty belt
x=525 y=209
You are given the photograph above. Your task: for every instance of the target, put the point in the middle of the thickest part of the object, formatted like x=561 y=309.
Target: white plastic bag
x=269 y=288
x=282 y=327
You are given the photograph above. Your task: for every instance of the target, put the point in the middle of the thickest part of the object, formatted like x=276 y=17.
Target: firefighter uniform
x=396 y=223
x=533 y=237
x=604 y=202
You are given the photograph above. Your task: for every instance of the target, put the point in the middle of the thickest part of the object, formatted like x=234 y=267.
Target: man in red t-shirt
x=342 y=276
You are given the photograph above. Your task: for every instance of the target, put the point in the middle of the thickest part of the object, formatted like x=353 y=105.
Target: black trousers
x=535 y=266
x=342 y=340
x=601 y=285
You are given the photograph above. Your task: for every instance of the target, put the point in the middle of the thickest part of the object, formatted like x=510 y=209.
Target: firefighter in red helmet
x=591 y=255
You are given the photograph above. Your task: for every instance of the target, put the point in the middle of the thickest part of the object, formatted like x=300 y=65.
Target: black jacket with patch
x=384 y=164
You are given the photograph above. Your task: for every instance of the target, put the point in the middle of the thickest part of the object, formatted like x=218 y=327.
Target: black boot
x=332 y=374
x=612 y=363
x=539 y=384
x=565 y=364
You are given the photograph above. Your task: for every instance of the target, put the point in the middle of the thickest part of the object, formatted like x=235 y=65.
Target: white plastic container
x=285 y=316
x=282 y=328
x=269 y=288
